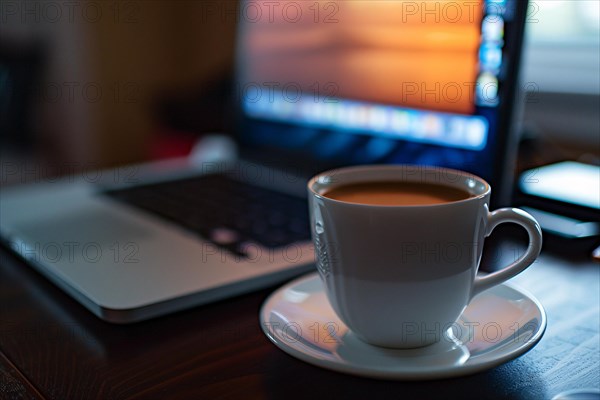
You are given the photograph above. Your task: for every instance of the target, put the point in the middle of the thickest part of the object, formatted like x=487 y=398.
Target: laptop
x=335 y=83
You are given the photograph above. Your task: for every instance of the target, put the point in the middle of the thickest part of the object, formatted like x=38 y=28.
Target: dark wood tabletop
x=53 y=348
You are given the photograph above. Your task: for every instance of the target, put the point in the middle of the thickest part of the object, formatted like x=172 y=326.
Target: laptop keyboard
x=229 y=213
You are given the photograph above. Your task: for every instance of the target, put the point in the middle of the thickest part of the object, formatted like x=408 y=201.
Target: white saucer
x=500 y=324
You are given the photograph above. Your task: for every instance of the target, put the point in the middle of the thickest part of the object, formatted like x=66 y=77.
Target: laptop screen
x=379 y=81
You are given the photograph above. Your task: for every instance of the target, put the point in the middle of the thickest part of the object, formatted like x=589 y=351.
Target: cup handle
x=534 y=231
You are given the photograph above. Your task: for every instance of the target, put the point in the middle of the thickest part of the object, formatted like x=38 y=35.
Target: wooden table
x=51 y=347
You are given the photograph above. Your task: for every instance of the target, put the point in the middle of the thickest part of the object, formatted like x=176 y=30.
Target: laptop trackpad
x=96 y=225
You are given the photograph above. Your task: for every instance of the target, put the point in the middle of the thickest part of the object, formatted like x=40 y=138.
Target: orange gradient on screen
x=416 y=54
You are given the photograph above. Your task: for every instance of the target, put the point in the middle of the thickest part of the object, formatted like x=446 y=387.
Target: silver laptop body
x=125 y=264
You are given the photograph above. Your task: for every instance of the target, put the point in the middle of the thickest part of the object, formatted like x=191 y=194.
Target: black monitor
x=363 y=81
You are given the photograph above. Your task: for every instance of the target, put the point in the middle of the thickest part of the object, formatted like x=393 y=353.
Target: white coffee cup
x=400 y=276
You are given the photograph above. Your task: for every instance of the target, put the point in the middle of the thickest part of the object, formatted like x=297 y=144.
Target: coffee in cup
x=396 y=193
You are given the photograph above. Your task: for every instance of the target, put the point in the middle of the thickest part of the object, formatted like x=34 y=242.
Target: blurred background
x=95 y=84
